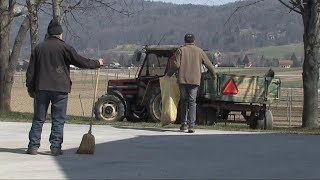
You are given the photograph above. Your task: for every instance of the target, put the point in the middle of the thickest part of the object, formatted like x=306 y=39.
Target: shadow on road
x=147 y=129
x=14 y=150
x=21 y=151
x=198 y=157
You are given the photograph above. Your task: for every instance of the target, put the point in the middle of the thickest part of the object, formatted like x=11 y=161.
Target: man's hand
x=101 y=61
x=31 y=93
x=214 y=75
x=167 y=75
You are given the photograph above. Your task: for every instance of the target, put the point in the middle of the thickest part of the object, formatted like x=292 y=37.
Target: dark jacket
x=49 y=66
x=188 y=60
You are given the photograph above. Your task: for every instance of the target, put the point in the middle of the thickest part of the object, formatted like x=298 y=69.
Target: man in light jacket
x=188 y=62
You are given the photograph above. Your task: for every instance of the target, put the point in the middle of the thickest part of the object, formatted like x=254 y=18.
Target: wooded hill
x=263 y=24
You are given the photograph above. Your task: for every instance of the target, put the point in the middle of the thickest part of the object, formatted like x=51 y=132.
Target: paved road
x=134 y=153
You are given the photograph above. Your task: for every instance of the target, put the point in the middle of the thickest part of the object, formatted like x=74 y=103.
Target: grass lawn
x=279 y=51
x=290 y=78
x=292 y=84
x=27 y=117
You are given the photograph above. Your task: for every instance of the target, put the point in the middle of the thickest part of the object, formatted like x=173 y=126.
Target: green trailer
x=250 y=95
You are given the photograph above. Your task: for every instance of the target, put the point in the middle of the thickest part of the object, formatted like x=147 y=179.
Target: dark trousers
x=59 y=101
x=188 y=105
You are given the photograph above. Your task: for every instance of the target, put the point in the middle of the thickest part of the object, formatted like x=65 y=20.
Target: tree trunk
x=310 y=75
x=13 y=61
x=56 y=9
x=5 y=23
x=33 y=17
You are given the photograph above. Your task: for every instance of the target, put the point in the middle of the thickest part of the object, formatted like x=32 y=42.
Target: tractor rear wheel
x=155 y=105
x=109 y=108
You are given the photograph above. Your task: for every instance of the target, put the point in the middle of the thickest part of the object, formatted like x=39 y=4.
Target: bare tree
x=56 y=10
x=33 y=8
x=9 y=58
x=309 y=10
x=8 y=11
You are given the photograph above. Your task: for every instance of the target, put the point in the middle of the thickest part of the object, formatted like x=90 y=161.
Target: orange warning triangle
x=230 y=88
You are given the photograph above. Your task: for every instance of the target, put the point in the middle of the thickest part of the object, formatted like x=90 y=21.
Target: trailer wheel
x=268 y=120
x=109 y=108
x=259 y=124
x=155 y=105
x=264 y=123
x=206 y=115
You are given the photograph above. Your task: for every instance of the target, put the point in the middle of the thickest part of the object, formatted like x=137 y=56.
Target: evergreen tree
x=239 y=62
x=212 y=58
x=246 y=60
x=295 y=60
x=262 y=61
x=275 y=62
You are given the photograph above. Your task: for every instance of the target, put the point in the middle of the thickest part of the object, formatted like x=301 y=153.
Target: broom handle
x=94 y=97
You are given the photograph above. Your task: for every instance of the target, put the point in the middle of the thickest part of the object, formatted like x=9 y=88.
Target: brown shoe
x=56 y=152
x=191 y=130
x=32 y=150
x=183 y=127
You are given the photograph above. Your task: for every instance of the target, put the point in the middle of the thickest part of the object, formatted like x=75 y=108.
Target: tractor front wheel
x=109 y=108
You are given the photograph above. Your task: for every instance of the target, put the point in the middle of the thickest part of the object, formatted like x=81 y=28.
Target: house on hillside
x=285 y=63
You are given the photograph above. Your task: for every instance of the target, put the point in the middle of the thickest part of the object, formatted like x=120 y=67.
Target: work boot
x=183 y=127
x=191 y=129
x=56 y=152
x=32 y=150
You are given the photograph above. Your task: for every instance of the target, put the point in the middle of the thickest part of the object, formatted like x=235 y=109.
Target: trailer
x=250 y=95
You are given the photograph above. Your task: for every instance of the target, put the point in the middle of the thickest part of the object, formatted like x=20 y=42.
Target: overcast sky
x=204 y=2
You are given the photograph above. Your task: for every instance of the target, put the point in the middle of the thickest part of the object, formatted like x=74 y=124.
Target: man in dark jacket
x=48 y=81
x=188 y=60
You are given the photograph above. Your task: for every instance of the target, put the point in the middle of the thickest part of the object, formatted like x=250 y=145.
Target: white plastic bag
x=170 y=96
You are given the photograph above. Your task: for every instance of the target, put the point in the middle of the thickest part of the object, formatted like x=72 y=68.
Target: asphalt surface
x=148 y=153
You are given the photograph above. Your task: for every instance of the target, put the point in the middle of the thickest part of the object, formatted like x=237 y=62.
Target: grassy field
x=81 y=96
x=279 y=51
x=290 y=78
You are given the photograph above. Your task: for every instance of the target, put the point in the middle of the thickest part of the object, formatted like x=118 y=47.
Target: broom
x=87 y=145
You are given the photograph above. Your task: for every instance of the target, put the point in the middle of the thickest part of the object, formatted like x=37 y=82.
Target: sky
x=203 y=2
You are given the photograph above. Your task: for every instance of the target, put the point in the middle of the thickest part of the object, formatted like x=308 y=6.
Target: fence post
x=290 y=110
x=107 y=79
x=288 y=120
x=117 y=74
x=22 y=82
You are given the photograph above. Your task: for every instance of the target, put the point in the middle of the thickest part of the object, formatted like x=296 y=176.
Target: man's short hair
x=189 y=38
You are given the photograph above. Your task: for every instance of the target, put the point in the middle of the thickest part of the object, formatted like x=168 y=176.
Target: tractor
x=137 y=99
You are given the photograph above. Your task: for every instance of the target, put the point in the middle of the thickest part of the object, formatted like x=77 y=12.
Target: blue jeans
x=188 y=105
x=59 y=101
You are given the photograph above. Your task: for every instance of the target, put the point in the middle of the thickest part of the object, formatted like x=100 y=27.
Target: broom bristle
x=87 y=145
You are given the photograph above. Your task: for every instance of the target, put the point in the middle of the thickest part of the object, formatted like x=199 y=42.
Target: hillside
x=267 y=23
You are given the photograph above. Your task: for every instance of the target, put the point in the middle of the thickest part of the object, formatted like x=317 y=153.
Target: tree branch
x=18 y=43
x=240 y=7
x=294 y=6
